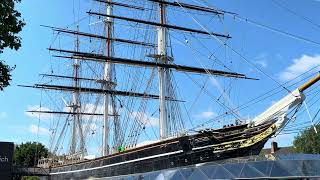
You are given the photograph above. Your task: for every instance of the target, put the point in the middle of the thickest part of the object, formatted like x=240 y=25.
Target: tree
x=28 y=154
x=11 y=25
x=30 y=178
x=308 y=141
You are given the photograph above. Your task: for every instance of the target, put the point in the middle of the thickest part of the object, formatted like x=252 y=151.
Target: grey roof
x=285 y=166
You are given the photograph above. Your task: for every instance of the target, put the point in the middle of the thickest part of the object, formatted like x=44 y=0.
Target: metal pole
x=162 y=52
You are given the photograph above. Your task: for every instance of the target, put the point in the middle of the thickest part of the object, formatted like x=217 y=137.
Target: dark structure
x=276 y=150
x=6 y=159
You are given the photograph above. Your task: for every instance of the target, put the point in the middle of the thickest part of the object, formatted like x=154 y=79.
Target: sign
x=6 y=158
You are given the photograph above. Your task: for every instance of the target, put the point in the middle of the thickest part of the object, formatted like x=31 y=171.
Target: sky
x=278 y=56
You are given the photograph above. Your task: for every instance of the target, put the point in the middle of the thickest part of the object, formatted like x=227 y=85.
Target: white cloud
x=92 y=108
x=147 y=142
x=40 y=131
x=145 y=118
x=43 y=116
x=205 y=115
x=299 y=66
x=262 y=63
x=3 y=115
x=261 y=60
x=283 y=140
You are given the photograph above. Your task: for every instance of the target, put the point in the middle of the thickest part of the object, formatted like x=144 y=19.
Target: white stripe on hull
x=120 y=163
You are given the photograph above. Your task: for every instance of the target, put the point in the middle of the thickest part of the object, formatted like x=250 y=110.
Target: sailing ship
x=123 y=108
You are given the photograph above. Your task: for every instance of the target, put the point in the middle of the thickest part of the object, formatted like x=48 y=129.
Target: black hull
x=175 y=153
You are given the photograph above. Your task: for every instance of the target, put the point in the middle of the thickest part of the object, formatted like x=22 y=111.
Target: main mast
x=108 y=79
x=162 y=52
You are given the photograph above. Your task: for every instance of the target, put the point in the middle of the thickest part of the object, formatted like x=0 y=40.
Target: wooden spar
x=115 y=60
x=175 y=4
x=160 y=25
x=121 y=4
x=78 y=78
x=97 y=91
x=309 y=83
x=96 y=36
x=67 y=113
x=190 y=6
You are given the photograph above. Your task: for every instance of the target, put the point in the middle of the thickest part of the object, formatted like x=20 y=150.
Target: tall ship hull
x=205 y=146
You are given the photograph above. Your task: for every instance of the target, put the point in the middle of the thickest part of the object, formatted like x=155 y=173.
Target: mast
x=107 y=78
x=162 y=52
x=76 y=125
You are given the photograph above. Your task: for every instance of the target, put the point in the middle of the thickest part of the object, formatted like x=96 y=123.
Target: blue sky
x=279 y=56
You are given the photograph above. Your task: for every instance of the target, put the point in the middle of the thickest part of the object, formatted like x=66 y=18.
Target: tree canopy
x=28 y=154
x=308 y=141
x=11 y=24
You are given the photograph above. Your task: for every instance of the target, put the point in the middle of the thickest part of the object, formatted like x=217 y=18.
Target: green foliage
x=308 y=141
x=5 y=76
x=121 y=149
x=11 y=25
x=30 y=178
x=27 y=154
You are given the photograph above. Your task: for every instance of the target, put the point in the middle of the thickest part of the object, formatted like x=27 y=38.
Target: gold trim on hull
x=243 y=143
